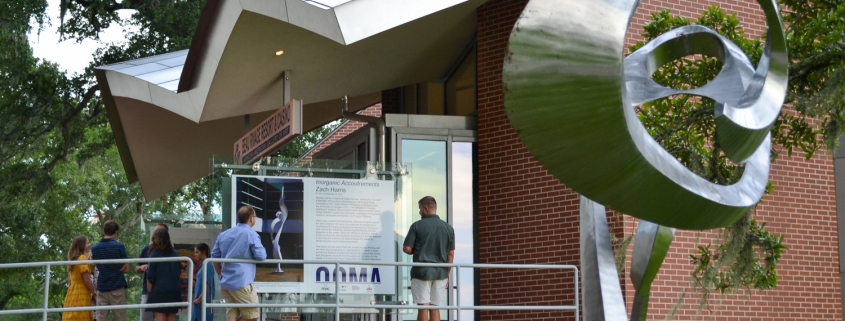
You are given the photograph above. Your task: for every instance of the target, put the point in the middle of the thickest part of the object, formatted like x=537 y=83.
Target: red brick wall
x=526 y=216
x=289 y=317
x=391 y=101
x=344 y=130
x=748 y=13
x=802 y=208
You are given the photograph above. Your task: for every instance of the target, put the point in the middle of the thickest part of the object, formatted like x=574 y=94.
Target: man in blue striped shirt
x=111 y=285
x=239 y=242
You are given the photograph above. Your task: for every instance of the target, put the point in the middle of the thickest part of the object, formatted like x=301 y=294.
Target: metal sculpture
x=570 y=96
x=650 y=248
x=602 y=294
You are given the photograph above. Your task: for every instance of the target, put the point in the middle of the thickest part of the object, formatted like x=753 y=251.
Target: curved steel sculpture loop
x=728 y=86
x=570 y=96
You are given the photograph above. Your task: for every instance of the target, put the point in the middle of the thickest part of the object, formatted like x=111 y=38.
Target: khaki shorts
x=116 y=297
x=243 y=295
x=428 y=291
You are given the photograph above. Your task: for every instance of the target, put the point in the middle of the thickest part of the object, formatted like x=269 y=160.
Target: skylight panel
x=326 y=4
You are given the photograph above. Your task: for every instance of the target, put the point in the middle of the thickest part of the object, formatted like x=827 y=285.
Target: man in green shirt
x=429 y=240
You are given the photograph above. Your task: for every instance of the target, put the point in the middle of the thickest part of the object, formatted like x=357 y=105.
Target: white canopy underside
x=172 y=112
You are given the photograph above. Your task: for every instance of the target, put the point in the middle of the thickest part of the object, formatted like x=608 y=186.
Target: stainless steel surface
x=740 y=126
x=286 y=88
x=570 y=96
x=602 y=294
x=336 y=285
x=650 y=248
x=726 y=88
x=458 y=292
x=46 y=290
x=309 y=170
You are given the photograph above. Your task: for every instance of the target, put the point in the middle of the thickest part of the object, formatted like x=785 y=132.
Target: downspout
x=369 y=120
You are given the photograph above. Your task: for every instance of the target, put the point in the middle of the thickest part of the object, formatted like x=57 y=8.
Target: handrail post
x=337 y=291
x=204 y=280
x=458 y=289
x=46 y=290
x=190 y=288
x=577 y=293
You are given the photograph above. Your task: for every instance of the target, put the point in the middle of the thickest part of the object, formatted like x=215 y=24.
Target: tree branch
x=86 y=98
x=84 y=3
x=129 y=225
x=808 y=65
x=113 y=6
x=62 y=155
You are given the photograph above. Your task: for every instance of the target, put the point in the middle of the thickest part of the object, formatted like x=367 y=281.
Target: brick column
x=525 y=216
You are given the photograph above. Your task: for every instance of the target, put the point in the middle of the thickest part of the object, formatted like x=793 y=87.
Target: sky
x=71 y=56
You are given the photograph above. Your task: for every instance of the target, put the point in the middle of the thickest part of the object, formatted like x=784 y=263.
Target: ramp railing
x=45 y=309
x=337 y=305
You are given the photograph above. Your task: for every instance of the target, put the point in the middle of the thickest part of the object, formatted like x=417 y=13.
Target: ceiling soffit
x=170 y=126
x=249 y=75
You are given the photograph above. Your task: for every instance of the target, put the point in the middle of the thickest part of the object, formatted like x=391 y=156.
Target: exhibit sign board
x=280 y=128
x=321 y=219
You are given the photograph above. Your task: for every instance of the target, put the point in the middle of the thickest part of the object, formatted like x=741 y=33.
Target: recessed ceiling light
x=280 y=52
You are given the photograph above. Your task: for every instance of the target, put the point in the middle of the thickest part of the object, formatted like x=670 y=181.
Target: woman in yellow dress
x=81 y=288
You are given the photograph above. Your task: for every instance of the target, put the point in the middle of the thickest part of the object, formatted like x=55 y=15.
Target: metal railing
x=44 y=310
x=337 y=305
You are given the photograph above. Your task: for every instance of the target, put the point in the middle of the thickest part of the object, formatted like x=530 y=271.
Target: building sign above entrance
x=278 y=129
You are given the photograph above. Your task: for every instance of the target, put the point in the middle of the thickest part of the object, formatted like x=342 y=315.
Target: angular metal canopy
x=170 y=113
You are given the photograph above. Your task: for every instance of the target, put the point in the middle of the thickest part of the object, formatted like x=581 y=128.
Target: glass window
x=430 y=98
x=428 y=160
x=433 y=165
x=460 y=88
x=428 y=178
x=454 y=95
x=462 y=220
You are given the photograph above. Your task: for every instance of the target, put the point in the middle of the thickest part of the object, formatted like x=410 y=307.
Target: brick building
x=525 y=216
x=520 y=214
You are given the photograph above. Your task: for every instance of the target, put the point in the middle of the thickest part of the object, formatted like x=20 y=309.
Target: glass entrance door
x=442 y=163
